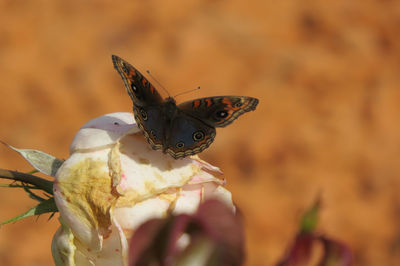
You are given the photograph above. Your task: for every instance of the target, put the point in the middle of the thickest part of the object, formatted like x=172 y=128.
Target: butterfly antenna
x=179 y=94
x=148 y=72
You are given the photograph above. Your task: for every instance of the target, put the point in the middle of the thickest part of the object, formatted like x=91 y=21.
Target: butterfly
x=178 y=130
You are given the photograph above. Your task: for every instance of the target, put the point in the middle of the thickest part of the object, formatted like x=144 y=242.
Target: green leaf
x=43 y=162
x=310 y=218
x=33 y=195
x=44 y=207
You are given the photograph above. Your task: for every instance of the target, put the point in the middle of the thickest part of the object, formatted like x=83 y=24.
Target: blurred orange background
x=326 y=74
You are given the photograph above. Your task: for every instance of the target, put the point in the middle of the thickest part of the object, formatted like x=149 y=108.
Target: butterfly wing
x=147 y=102
x=141 y=91
x=219 y=111
x=187 y=136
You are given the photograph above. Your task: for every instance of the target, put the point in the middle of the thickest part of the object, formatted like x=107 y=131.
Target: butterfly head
x=170 y=107
x=170 y=100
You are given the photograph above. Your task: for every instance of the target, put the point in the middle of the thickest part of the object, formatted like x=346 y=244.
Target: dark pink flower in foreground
x=211 y=236
x=310 y=248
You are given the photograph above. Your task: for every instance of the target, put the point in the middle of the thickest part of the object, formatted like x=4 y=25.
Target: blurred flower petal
x=299 y=254
x=303 y=251
x=213 y=234
x=335 y=253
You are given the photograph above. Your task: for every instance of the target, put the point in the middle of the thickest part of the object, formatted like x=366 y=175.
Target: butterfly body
x=179 y=130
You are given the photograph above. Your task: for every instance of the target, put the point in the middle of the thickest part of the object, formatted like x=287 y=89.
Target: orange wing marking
x=144 y=82
x=196 y=103
x=151 y=89
x=132 y=73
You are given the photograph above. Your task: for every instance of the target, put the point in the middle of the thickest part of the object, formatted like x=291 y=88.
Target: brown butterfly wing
x=219 y=111
x=187 y=135
x=147 y=102
x=141 y=91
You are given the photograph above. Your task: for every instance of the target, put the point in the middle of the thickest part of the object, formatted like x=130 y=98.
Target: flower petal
x=63 y=247
x=131 y=217
x=83 y=196
x=103 y=131
x=146 y=173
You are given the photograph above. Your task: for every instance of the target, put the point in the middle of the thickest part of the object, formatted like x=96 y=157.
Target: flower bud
x=113 y=182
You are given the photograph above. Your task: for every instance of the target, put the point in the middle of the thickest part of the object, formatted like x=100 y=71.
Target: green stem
x=27 y=178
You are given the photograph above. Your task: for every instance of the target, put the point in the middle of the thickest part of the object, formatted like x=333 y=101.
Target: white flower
x=113 y=182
